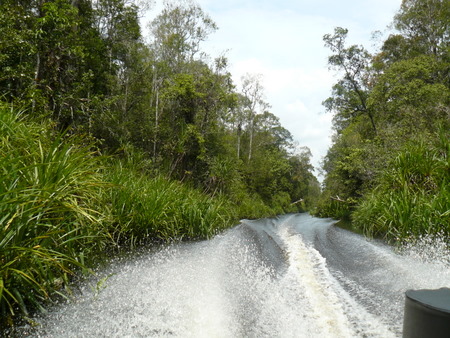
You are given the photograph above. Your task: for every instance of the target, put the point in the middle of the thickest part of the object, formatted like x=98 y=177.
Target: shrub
x=413 y=196
x=147 y=208
x=48 y=206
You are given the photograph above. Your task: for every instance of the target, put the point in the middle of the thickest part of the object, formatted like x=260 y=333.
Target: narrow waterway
x=293 y=276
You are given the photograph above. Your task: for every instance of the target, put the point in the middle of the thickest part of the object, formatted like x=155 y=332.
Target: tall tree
x=177 y=35
x=178 y=32
x=349 y=97
x=411 y=94
x=253 y=90
x=56 y=53
x=425 y=22
x=423 y=28
x=237 y=119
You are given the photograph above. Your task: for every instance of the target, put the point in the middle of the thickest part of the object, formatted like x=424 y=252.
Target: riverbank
x=63 y=203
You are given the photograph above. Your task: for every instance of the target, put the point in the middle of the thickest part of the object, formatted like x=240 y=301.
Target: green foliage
x=349 y=99
x=223 y=176
x=410 y=94
x=392 y=180
x=48 y=201
x=178 y=31
x=413 y=196
x=425 y=23
x=146 y=209
x=335 y=207
x=251 y=206
x=350 y=163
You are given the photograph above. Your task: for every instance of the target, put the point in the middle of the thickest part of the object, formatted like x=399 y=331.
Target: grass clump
x=413 y=196
x=146 y=208
x=61 y=205
x=48 y=194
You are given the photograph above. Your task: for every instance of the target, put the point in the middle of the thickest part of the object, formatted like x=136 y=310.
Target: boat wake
x=292 y=276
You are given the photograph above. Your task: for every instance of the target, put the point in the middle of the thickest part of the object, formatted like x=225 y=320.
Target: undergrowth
x=62 y=204
x=153 y=208
x=413 y=196
x=49 y=211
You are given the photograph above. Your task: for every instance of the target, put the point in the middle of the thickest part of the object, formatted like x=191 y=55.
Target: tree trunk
x=155 y=140
x=36 y=79
x=250 y=144
x=239 y=130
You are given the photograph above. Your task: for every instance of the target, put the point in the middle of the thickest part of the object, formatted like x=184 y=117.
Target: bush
x=413 y=196
x=49 y=201
x=147 y=208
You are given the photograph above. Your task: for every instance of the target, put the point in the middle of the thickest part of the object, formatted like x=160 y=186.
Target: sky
x=283 y=41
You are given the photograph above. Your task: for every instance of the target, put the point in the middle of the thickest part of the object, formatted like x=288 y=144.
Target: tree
x=349 y=98
x=50 y=62
x=411 y=94
x=270 y=132
x=60 y=59
x=17 y=52
x=118 y=23
x=427 y=23
x=423 y=28
x=237 y=119
x=178 y=32
x=304 y=188
x=177 y=35
x=253 y=91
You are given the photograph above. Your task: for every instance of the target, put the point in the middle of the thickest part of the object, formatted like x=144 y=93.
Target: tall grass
x=61 y=205
x=56 y=211
x=413 y=196
x=48 y=190
x=147 y=208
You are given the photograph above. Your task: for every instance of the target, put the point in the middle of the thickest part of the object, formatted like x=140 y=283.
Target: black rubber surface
x=427 y=313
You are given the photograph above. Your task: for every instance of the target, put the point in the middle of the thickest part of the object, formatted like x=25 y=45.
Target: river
x=291 y=276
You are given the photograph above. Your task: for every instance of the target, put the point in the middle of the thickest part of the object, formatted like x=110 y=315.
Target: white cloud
x=283 y=41
x=297 y=106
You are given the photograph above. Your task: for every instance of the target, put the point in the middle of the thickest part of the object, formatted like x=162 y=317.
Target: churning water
x=293 y=276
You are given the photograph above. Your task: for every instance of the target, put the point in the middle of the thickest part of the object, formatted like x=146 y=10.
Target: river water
x=291 y=276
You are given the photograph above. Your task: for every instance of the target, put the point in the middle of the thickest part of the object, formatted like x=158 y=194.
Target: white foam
x=224 y=288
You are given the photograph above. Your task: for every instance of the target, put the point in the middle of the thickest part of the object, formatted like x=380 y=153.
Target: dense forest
x=111 y=142
x=388 y=169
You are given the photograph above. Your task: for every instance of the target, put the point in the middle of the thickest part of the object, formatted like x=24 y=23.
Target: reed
x=413 y=196
x=48 y=190
x=146 y=208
